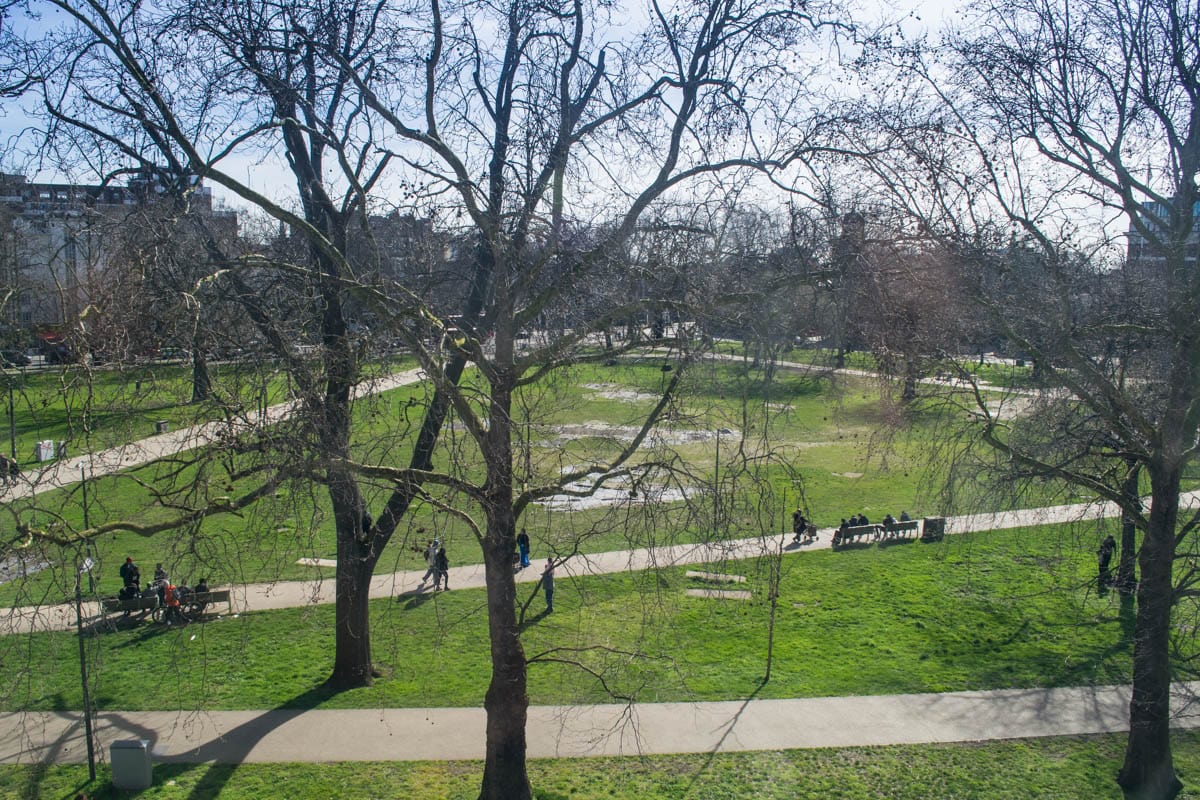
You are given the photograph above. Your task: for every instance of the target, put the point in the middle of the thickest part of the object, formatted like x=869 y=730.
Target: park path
x=291 y=594
x=69 y=471
x=439 y=734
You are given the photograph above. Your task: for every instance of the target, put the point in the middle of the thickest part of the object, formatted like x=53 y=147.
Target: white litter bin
x=130 y=761
x=44 y=450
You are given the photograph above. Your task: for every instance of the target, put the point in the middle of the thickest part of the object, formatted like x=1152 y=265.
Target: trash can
x=61 y=450
x=44 y=450
x=933 y=529
x=160 y=426
x=130 y=760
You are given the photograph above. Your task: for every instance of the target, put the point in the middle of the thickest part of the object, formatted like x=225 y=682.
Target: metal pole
x=87 y=525
x=12 y=424
x=717 y=486
x=87 y=703
x=83 y=482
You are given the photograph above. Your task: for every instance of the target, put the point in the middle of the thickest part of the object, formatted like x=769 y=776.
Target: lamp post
x=86 y=566
x=12 y=423
x=87 y=525
x=717 y=481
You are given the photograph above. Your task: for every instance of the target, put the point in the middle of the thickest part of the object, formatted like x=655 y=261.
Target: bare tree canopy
x=1039 y=141
x=536 y=136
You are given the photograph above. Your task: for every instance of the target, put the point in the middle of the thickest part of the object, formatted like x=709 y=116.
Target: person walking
x=548 y=584
x=523 y=547
x=799 y=525
x=431 y=551
x=1104 y=558
x=441 y=572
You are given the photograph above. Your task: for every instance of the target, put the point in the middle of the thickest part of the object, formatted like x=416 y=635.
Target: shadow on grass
x=729 y=728
x=533 y=620
x=416 y=598
x=885 y=543
x=221 y=756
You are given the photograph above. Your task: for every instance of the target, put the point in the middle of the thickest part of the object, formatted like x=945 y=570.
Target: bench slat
x=133 y=604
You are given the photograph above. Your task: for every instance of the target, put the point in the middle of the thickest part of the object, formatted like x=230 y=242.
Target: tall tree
x=1038 y=135
x=547 y=130
x=535 y=118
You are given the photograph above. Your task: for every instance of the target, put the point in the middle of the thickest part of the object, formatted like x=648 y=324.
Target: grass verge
x=1066 y=768
x=982 y=611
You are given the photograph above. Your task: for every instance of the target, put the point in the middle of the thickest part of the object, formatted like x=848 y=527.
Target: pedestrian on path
x=431 y=550
x=1104 y=558
x=10 y=471
x=523 y=546
x=548 y=584
x=441 y=570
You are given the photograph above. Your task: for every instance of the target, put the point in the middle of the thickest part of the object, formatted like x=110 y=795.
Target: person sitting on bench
x=201 y=587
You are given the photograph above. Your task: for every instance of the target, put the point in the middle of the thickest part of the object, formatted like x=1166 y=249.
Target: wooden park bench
x=199 y=600
x=114 y=604
x=844 y=536
x=898 y=530
x=193 y=604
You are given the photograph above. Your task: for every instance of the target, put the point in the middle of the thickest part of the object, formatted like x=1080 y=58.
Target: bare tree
x=1039 y=134
x=546 y=130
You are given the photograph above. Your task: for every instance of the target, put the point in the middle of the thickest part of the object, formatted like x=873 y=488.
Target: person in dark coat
x=441 y=572
x=130 y=574
x=1104 y=558
x=548 y=584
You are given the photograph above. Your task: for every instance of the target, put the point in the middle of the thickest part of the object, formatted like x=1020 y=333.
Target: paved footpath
x=68 y=471
x=437 y=734
x=291 y=594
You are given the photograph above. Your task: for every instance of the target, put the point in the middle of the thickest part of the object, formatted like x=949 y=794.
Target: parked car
x=14 y=358
x=61 y=354
x=174 y=354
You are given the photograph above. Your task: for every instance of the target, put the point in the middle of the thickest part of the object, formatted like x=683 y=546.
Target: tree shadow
x=223 y=755
x=884 y=543
x=533 y=620
x=416 y=598
x=729 y=729
x=39 y=768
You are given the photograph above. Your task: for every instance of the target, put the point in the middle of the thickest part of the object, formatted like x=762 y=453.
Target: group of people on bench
x=169 y=595
x=860 y=520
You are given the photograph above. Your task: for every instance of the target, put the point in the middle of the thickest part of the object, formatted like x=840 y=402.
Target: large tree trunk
x=506 y=701
x=352 y=665
x=1148 y=772
x=201 y=382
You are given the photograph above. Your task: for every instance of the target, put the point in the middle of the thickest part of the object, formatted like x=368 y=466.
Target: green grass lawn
x=997 y=610
x=796 y=440
x=1063 y=768
x=816 y=439
x=96 y=408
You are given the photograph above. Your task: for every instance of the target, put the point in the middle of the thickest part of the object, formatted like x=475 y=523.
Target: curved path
x=291 y=594
x=439 y=734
